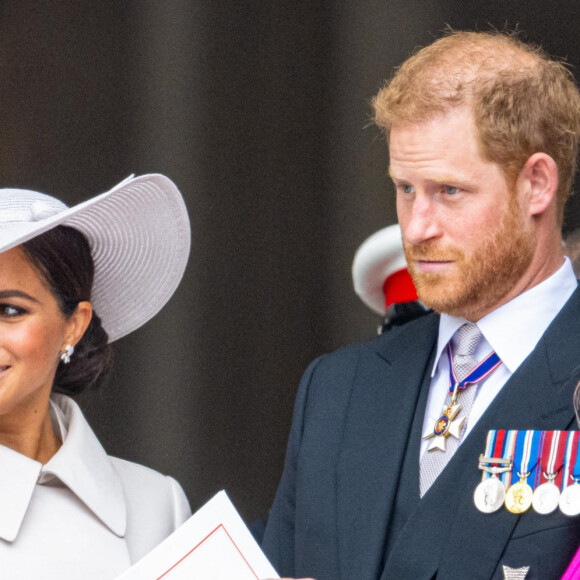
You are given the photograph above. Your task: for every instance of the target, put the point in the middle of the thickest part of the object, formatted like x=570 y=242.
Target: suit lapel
x=538 y=396
x=381 y=411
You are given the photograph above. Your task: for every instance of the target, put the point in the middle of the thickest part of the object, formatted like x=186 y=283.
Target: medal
x=570 y=498
x=547 y=495
x=446 y=425
x=489 y=495
x=519 y=496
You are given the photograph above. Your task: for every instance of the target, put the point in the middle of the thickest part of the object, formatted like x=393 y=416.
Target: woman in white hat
x=72 y=280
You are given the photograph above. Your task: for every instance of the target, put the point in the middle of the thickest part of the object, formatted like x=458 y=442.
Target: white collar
x=514 y=329
x=81 y=464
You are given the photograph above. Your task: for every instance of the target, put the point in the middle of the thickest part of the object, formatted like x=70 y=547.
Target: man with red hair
x=382 y=460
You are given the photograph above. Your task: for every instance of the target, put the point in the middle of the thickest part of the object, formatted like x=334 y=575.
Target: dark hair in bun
x=62 y=257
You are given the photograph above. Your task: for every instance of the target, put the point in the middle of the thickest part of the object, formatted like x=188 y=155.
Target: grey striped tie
x=433 y=462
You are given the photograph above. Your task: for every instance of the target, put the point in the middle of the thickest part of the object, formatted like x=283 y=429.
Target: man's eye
x=407 y=188
x=450 y=190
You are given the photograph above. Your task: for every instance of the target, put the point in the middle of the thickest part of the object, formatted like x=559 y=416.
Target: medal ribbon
x=509 y=451
x=494 y=449
x=574 y=468
x=477 y=374
x=548 y=447
x=559 y=461
x=569 y=457
x=535 y=455
x=526 y=448
x=501 y=443
x=490 y=443
x=489 y=447
x=552 y=452
x=552 y=457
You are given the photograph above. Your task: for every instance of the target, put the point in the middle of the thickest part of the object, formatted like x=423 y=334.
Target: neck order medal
x=446 y=424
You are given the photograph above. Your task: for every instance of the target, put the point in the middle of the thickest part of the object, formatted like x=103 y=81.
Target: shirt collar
x=514 y=329
x=16 y=488
x=84 y=467
x=81 y=464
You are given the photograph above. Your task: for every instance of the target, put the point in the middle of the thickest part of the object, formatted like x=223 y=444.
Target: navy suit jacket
x=348 y=505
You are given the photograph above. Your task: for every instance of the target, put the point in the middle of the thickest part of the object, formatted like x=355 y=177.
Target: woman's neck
x=33 y=437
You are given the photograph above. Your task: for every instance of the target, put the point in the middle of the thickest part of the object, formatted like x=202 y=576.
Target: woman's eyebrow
x=16 y=294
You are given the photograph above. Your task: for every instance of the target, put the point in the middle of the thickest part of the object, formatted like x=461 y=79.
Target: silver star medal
x=444 y=426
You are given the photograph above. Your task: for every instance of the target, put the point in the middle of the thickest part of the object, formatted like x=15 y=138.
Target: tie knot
x=468 y=339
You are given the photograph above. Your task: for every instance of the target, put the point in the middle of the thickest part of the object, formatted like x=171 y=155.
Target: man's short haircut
x=523 y=102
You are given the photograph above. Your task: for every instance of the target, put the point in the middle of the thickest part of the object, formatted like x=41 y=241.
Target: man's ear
x=538 y=182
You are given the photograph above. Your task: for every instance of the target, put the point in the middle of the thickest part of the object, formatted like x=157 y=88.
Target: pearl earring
x=68 y=352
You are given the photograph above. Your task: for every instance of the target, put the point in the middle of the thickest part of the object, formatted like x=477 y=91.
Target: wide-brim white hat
x=379 y=271
x=139 y=235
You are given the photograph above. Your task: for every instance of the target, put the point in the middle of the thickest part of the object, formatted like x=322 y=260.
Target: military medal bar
x=530 y=468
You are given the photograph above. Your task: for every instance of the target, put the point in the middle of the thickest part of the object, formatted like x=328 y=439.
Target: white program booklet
x=214 y=544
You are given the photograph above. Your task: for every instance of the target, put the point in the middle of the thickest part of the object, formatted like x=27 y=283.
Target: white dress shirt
x=512 y=330
x=73 y=517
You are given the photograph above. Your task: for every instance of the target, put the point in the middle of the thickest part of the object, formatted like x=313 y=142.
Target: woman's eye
x=450 y=190
x=9 y=311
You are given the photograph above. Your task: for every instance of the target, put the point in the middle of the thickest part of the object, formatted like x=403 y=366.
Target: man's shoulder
x=396 y=335
x=395 y=340
x=428 y=323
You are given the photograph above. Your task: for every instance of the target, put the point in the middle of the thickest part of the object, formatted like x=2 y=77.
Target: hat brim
x=378 y=257
x=139 y=235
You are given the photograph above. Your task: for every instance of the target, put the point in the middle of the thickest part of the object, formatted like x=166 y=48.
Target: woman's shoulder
x=143 y=482
x=138 y=473
x=155 y=505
